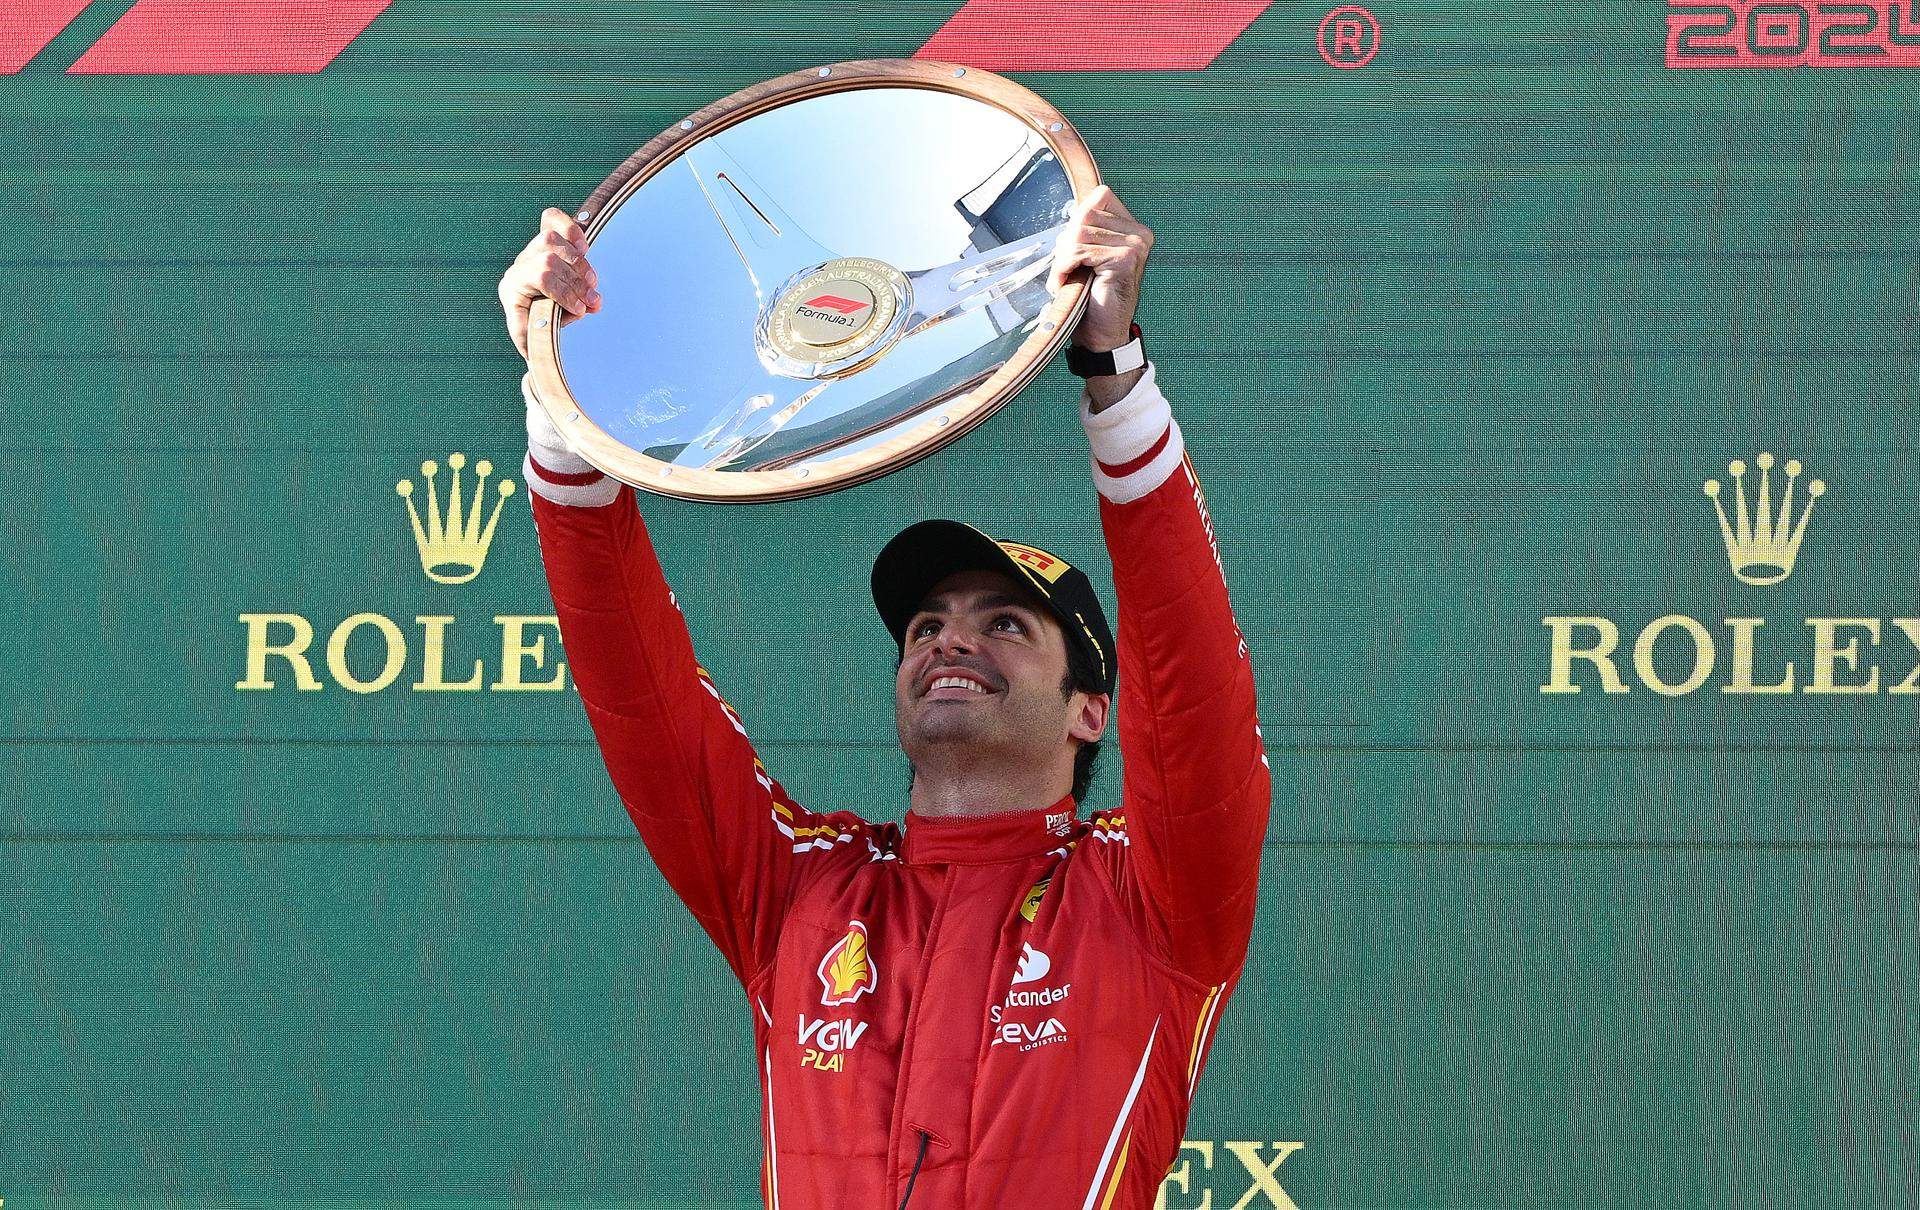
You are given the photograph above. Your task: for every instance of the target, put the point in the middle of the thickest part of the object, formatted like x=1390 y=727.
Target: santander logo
x=1034 y=966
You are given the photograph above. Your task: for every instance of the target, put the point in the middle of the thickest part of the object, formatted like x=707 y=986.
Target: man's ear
x=1090 y=721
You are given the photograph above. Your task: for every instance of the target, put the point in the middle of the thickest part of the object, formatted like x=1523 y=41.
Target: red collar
x=984 y=839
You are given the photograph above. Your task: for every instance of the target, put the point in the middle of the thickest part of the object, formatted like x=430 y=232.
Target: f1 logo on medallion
x=846 y=306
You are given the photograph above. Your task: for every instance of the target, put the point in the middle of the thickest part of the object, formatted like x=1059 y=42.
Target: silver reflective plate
x=816 y=282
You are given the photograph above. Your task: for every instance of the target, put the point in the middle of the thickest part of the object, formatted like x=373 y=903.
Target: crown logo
x=1760 y=548
x=454 y=548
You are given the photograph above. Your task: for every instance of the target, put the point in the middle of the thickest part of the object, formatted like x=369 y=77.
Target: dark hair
x=1082 y=674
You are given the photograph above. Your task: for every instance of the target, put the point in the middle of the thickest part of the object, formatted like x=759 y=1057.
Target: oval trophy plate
x=816 y=281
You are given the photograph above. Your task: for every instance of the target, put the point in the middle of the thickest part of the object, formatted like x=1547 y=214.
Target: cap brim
x=927 y=552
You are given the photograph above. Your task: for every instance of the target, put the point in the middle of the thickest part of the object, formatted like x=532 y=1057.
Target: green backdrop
x=1455 y=338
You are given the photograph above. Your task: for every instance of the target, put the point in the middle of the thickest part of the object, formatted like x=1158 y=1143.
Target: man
x=998 y=1003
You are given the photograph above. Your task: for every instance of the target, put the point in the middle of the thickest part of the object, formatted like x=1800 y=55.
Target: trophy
x=816 y=281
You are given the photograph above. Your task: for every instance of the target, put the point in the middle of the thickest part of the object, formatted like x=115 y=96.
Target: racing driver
x=1001 y=1001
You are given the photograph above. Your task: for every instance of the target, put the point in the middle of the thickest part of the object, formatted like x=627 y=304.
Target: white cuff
x=592 y=490
x=552 y=470
x=1136 y=442
x=545 y=440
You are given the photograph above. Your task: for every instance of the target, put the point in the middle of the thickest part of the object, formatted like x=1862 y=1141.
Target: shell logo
x=847 y=971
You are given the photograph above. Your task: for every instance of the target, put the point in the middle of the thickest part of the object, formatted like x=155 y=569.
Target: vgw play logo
x=367 y=652
x=1819 y=656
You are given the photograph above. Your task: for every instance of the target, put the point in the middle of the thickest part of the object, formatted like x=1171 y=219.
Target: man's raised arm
x=722 y=831
x=1195 y=796
x=1196 y=785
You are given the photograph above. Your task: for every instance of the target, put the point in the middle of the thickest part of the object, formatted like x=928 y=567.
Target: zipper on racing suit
x=913 y=1017
x=913 y=1176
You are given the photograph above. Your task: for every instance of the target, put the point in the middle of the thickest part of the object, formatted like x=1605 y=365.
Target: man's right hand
x=552 y=265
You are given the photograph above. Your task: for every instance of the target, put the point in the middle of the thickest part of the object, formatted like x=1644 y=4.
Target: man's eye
x=1009 y=620
x=922 y=629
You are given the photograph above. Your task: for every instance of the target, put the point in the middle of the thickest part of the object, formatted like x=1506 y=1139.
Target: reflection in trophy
x=822 y=291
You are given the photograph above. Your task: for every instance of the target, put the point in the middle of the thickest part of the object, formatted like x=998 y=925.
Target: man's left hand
x=1103 y=235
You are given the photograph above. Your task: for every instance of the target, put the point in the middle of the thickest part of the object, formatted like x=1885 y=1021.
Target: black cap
x=925 y=553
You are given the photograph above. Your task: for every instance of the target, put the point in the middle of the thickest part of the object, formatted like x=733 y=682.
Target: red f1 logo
x=833 y=302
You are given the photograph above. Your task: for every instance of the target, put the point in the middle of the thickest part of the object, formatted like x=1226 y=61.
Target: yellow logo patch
x=847 y=971
x=1030 y=906
x=1048 y=567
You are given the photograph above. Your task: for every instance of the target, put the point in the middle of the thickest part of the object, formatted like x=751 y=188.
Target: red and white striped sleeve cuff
x=1136 y=442
x=554 y=471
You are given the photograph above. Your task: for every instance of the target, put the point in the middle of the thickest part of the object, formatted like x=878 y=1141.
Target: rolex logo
x=1676 y=654
x=1761 y=547
x=453 y=548
x=373 y=649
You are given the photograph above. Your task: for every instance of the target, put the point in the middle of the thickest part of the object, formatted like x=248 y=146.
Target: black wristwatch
x=1088 y=364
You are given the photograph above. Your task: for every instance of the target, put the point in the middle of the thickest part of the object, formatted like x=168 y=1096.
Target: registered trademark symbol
x=1349 y=37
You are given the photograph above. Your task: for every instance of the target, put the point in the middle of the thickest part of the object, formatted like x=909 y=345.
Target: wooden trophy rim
x=942 y=424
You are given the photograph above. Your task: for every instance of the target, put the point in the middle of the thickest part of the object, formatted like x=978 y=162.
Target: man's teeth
x=958 y=682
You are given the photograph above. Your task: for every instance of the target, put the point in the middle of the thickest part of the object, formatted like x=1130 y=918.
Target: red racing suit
x=979 y=1013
